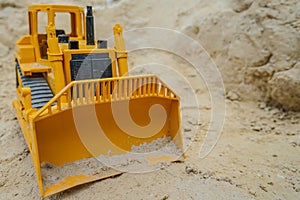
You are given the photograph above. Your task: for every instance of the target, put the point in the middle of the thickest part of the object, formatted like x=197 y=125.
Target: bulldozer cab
x=68 y=21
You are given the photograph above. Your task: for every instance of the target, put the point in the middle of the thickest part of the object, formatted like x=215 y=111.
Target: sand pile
x=138 y=160
x=255 y=43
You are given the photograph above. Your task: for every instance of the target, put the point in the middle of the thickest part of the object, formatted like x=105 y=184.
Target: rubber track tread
x=40 y=90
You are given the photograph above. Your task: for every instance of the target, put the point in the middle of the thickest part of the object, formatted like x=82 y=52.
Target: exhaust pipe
x=90 y=35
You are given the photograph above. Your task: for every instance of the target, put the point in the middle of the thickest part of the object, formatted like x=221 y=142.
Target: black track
x=40 y=90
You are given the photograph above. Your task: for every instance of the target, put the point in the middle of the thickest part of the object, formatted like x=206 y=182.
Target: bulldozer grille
x=90 y=66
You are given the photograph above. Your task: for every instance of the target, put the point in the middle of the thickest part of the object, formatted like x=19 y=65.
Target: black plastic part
x=102 y=44
x=40 y=90
x=16 y=69
x=90 y=66
x=90 y=36
x=59 y=32
x=63 y=39
x=73 y=44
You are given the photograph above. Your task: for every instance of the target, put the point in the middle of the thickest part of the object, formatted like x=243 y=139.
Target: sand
x=257 y=154
x=134 y=161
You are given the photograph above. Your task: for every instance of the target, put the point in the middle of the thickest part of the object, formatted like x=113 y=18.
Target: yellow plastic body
x=53 y=133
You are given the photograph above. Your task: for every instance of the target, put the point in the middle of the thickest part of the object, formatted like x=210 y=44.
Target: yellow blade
x=70 y=137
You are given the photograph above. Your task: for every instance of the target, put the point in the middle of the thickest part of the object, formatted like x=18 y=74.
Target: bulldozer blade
x=79 y=141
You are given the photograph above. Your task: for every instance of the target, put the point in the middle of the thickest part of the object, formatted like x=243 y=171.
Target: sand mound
x=251 y=43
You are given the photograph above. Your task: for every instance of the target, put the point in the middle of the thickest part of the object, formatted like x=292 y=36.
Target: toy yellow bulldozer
x=75 y=101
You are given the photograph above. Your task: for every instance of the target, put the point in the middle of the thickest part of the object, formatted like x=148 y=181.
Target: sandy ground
x=256 y=156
